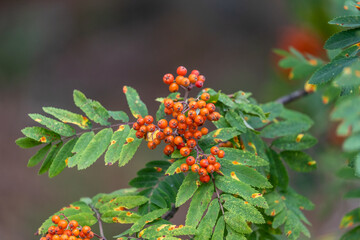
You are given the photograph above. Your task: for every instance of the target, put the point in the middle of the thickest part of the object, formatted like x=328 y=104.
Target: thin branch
x=218 y=195
x=102 y=236
x=292 y=96
x=171 y=213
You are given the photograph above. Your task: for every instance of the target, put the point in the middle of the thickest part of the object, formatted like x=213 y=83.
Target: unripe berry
x=217 y=166
x=179 y=80
x=205 y=179
x=86 y=230
x=195 y=168
x=205 y=96
x=168 y=78
x=185 y=151
x=204 y=163
x=173 y=87
x=162 y=123
x=168 y=103
x=221 y=154
x=55 y=219
x=199 y=84
x=202 y=172
x=181 y=70
x=62 y=224
x=210 y=169
x=168 y=149
x=184 y=167
x=190 y=160
x=214 y=150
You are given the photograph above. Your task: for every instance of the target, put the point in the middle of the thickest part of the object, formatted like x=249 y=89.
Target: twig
x=292 y=96
x=171 y=213
x=100 y=223
x=218 y=195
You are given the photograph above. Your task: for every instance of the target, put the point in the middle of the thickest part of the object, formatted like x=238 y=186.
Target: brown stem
x=292 y=96
x=171 y=213
x=100 y=224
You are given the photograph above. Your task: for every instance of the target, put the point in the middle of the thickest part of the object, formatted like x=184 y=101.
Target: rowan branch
x=292 y=96
x=171 y=213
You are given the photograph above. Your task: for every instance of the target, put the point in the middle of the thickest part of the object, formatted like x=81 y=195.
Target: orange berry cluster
x=194 y=79
x=185 y=127
x=208 y=164
x=64 y=230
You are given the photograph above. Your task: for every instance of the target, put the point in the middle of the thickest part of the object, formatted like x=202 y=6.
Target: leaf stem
x=102 y=236
x=218 y=195
x=292 y=96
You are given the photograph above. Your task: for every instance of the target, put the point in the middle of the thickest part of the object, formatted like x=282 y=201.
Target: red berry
x=199 y=84
x=169 y=139
x=202 y=172
x=205 y=178
x=221 y=154
x=190 y=160
x=195 y=168
x=168 y=103
x=211 y=159
x=185 y=151
x=217 y=166
x=162 y=123
x=136 y=126
x=51 y=230
x=201 y=78
x=214 y=150
x=204 y=163
x=191 y=143
x=168 y=78
x=168 y=149
x=184 y=167
x=139 y=134
x=149 y=119
x=181 y=71
x=55 y=219
x=210 y=169
x=195 y=72
x=178 y=140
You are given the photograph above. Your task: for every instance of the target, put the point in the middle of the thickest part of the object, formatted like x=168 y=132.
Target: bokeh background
x=49 y=48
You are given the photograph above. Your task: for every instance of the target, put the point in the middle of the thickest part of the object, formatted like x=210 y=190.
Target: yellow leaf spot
x=349 y=224
x=121 y=208
x=236 y=163
x=309 y=87
x=310 y=163
x=313 y=62
x=246 y=118
x=171 y=228
x=325 y=99
x=246 y=202
x=160 y=238
x=347 y=71
x=141 y=233
x=346 y=7
x=121 y=128
x=233 y=175
x=125 y=89
x=291 y=75
x=178 y=170
x=273 y=212
x=181 y=226
x=269 y=222
x=43 y=139
x=301 y=208
x=161 y=227
x=299 y=137
x=129 y=214
x=252 y=146
x=357 y=73
x=256 y=195
x=276 y=201
x=112 y=142
x=129 y=140
x=66 y=161
x=171 y=160
x=198 y=183
x=217 y=132
x=38 y=120
x=265 y=120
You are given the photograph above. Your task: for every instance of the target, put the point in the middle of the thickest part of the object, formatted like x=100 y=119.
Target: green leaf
x=40 y=134
x=147 y=218
x=233 y=186
x=137 y=107
x=199 y=203
x=347 y=21
x=331 y=70
x=350 y=218
x=233 y=235
x=95 y=148
x=277 y=170
x=294 y=142
x=93 y=109
x=167 y=230
x=36 y=159
x=219 y=229
x=248 y=212
x=69 y=117
x=235 y=120
x=235 y=157
x=283 y=128
x=120 y=203
x=293 y=227
x=187 y=188
x=218 y=135
x=355 y=193
x=298 y=161
x=143 y=181
x=49 y=158
x=25 y=142
x=116 y=145
x=352 y=143
x=175 y=167
x=236 y=222
x=79 y=147
x=343 y=39
x=207 y=224
x=56 y=126
x=59 y=162
x=119 y=116
x=129 y=148
x=122 y=217
x=353 y=234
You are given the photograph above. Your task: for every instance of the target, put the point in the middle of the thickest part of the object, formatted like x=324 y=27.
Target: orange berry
x=151 y=145
x=169 y=139
x=182 y=126
x=67 y=232
x=75 y=232
x=181 y=70
x=178 y=80
x=173 y=87
x=211 y=159
x=58 y=231
x=173 y=123
x=205 y=179
x=202 y=172
x=178 y=107
x=192 y=114
x=214 y=150
x=211 y=107
x=190 y=160
x=185 y=151
x=168 y=131
x=201 y=78
x=64 y=237
x=162 y=123
x=71 y=238
x=217 y=166
x=139 y=134
x=48 y=237
x=204 y=163
x=143 y=129
x=189 y=121
x=192 y=78
x=160 y=135
x=193 y=128
x=188 y=135
x=82 y=235
x=168 y=111
x=55 y=237
x=210 y=169
x=221 y=154
x=178 y=140
x=204 y=131
x=90 y=235
x=168 y=149
x=55 y=219
x=185 y=82
x=181 y=118
x=62 y=224
x=148 y=119
x=43 y=238
x=204 y=112
x=195 y=168
x=201 y=104
x=199 y=120
x=191 y=143
x=168 y=103
x=205 y=96
x=157 y=141
x=168 y=78
x=136 y=126
x=195 y=72
x=51 y=230
x=151 y=128
x=184 y=167
x=86 y=230
x=193 y=105
x=197 y=135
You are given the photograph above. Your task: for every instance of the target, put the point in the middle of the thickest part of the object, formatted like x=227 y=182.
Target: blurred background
x=49 y=48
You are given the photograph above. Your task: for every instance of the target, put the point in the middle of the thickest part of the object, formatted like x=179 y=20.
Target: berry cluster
x=185 y=127
x=67 y=230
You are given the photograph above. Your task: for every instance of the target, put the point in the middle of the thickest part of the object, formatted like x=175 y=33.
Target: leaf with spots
x=25 y=142
x=294 y=142
x=137 y=107
x=217 y=136
x=147 y=218
x=40 y=134
x=129 y=148
x=69 y=117
x=61 y=158
x=119 y=116
x=239 y=157
x=187 y=188
x=207 y=224
x=116 y=144
x=298 y=161
x=56 y=126
x=237 y=223
x=79 y=148
x=123 y=217
x=175 y=167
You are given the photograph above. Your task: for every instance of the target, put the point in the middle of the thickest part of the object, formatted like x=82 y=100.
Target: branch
x=218 y=195
x=171 y=213
x=100 y=223
x=292 y=96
